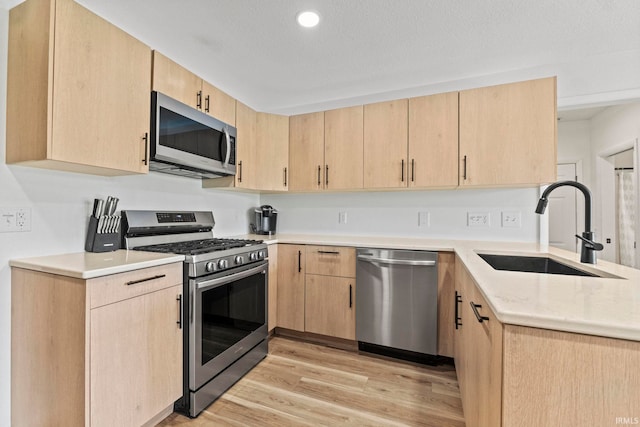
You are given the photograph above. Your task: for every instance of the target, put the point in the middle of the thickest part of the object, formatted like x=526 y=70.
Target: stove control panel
x=228 y=261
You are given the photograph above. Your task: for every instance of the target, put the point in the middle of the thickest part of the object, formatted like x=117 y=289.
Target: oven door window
x=230 y=313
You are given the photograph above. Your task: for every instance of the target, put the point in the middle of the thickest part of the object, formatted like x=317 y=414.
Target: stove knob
x=222 y=264
x=253 y=256
x=239 y=260
x=209 y=267
x=261 y=255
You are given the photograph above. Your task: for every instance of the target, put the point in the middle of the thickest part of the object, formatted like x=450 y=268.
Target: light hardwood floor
x=302 y=384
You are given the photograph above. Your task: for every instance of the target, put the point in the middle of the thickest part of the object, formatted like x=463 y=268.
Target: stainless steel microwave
x=188 y=142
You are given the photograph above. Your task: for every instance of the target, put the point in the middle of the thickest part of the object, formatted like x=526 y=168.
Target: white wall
x=574 y=146
x=60 y=204
x=609 y=131
x=396 y=213
x=615 y=125
x=612 y=130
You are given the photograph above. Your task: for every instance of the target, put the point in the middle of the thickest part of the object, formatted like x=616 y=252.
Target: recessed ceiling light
x=308 y=18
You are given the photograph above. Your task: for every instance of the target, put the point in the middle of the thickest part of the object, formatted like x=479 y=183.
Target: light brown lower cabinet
x=272 y=313
x=290 y=298
x=97 y=352
x=330 y=306
x=316 y=290
x=446 y=295
x=517 y=376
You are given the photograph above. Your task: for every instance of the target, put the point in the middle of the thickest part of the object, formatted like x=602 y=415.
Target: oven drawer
x=331 y=261
x=117 y=287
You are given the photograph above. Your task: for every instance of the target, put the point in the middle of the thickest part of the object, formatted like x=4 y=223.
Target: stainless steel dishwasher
x=397 y=301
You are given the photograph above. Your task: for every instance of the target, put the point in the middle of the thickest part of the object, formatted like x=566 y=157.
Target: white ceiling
x=255 y=51
x=579 y=114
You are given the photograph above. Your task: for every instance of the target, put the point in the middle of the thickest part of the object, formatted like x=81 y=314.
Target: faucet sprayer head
x=542 y=205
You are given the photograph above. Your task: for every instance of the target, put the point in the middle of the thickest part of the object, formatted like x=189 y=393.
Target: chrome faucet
x=589 y=247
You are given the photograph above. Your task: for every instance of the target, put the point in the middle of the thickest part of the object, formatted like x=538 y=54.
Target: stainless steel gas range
x=225 y=298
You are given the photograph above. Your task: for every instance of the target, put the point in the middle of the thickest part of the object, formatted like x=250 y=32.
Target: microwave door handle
x=228 y=138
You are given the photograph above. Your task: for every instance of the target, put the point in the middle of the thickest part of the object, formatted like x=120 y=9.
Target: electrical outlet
x=512 y=219
x=478 y=219
x=424 y=219
x=342 y=217
x=15 y=219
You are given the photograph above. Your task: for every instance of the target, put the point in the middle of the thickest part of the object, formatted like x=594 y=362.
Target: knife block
x=100 y=242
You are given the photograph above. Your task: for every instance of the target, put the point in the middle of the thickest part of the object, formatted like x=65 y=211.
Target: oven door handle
x=214 y=283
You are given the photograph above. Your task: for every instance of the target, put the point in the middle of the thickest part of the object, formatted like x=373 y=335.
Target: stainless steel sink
x=533 y=264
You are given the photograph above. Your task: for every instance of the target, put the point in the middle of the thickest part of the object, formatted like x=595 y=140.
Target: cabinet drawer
x=331 y=261
x=117 y=287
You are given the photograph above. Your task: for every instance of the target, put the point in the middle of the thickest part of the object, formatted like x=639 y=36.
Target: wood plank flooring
x=303 y=384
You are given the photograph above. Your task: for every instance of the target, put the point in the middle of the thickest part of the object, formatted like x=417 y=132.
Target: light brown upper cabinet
x=325 y=150
x=343 y=148
x=262 y=153
x=77 y=91
x=272 y=151
x=218 y=104
x=175 y=81
x=508 y=134
x=246 y=159
x=385 y=144
x=306 y=152
x=433 y=141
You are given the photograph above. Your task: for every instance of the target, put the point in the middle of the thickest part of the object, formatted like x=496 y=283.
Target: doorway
x=563 y=210
x=625 y=207
x=617 y=172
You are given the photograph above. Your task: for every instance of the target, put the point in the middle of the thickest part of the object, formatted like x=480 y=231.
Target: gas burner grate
x=195 y=247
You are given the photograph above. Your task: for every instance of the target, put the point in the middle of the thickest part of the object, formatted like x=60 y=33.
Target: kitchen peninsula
x=544 y=346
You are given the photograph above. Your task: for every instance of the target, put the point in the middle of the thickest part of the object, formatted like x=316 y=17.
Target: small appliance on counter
x=266 y=218
x=103 y=233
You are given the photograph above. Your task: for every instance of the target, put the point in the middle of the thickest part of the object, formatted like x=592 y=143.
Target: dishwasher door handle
x=373 y=260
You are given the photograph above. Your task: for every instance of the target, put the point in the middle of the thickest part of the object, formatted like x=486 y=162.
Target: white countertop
x=88 y=265
x=607 y=307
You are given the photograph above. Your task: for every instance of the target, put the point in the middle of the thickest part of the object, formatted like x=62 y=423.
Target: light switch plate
x=424 y=219
x=342 y=217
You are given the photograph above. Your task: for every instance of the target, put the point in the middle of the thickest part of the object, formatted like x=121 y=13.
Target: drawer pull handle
x=146 y=148
x=464 y=169
x=299 y=261
x=179 y=322
x=475 y=308
x=329 y=252
x=457 y=313
x=350 y=296
x=135 y=282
